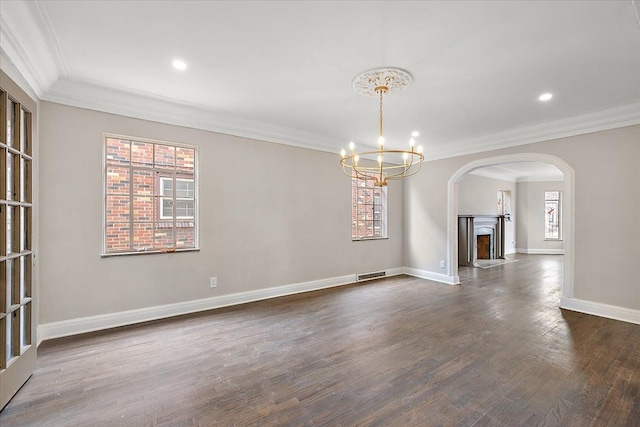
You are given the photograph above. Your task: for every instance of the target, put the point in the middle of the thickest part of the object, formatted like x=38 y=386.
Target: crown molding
x=611 y=118
x=41 y=17
x=142 y=105
x=29 y=50
x=10 y=69
x=13 y=57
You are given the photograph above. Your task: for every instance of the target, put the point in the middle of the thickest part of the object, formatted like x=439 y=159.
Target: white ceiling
x=521 y=172
x=282 y=71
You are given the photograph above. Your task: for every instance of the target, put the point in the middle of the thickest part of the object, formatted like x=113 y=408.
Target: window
x=552 y=215
x=150 y=196
x=369 y=210
x=184 y=198
x=504 y=204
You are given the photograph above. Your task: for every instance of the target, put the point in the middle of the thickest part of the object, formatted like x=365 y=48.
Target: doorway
x=569 y=190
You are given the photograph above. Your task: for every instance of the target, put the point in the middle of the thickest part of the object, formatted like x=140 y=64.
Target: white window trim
x=196 y=220
x=173 y=198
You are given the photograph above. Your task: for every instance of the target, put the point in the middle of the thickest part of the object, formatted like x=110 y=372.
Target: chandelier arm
x=415 y=171
x=364 y=176
x=407 y=167
x=344 y=169
x=363 y=170
x=407 y=170
x=420 y=157
x=410 y=166
x=357 y=172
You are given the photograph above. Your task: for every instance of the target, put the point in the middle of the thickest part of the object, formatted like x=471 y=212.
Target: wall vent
x=370 y=276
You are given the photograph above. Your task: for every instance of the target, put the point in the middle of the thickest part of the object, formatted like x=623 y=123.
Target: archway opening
x=568 y=217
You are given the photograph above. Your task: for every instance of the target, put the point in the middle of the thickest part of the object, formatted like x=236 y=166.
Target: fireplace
x=483 y=246
x=480 y=237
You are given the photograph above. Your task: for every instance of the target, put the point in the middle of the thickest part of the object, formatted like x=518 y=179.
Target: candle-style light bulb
x=412 y=142
x=405 y=156
x=419 y=149
x=381 y=140
x=380 y=160
x=352 y=147
x=355 y=160
x=343 y=153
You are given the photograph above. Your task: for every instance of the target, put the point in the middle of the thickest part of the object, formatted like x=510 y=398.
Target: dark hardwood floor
x=495 y=351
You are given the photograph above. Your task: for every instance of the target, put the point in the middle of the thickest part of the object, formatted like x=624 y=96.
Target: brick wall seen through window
x=368 y=211
x=150 y=195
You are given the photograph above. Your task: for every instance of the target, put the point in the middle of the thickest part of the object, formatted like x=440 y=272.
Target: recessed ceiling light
x=545 y=97
x=179 y=65
x=415 y=133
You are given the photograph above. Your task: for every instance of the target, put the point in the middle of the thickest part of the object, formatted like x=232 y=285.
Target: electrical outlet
x=213 y=282
x=441 y=263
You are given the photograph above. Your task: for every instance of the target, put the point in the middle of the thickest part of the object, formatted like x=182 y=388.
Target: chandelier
x=382 y=165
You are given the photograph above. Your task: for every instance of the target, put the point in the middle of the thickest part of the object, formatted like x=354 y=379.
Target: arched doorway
x=569 y=211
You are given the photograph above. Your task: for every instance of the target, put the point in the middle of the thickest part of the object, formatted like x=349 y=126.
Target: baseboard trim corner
x=430 y=275
x=599 y=309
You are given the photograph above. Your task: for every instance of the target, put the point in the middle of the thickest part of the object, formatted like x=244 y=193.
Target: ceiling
x=521 y=172
x=282 y=71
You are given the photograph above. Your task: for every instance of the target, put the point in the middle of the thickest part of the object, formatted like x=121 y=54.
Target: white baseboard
x=603 y=310
x=429 y=275
x=540 y=251
x=111 y=320
x=106 y=321
x=510 y=251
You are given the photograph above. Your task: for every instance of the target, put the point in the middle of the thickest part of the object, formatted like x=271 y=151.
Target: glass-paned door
x=17 y=338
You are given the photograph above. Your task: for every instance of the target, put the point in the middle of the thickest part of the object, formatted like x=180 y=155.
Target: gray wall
x=270 y=215
x=261 y=228
x=606 y=184
x=530 y=227
x=478 y=195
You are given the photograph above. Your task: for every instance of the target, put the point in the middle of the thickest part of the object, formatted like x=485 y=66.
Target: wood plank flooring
x=495 y=351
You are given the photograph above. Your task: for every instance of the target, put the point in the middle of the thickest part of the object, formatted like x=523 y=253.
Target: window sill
x=180 y=223
x=364 y=239
x=154 y=252
x=553 y=240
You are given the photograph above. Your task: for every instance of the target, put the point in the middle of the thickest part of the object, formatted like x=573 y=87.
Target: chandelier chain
x=381 y=95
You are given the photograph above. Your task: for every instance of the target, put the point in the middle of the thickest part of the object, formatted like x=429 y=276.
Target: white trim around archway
x=568 y=205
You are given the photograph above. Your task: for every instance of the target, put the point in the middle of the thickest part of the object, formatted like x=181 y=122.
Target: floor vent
x=369 y=276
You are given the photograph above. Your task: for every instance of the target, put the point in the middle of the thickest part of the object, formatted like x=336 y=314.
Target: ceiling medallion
x=394 y=79
x=382 y=165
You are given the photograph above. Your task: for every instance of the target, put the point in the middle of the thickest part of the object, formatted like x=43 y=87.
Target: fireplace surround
x=472 y=226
